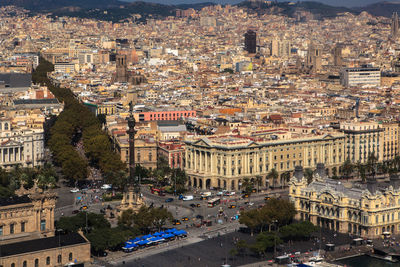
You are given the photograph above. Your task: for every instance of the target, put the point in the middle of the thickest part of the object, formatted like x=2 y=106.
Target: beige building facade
x=224 y=161
x=370 y=211
x=27 y=233
x=366 y=138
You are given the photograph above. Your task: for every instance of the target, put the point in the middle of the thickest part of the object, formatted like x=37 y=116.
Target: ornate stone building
x=224 y=161
x=27 y=236
x=20 y=145
x=365 y=210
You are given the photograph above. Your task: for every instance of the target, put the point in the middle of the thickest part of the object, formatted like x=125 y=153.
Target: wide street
x=221 y=218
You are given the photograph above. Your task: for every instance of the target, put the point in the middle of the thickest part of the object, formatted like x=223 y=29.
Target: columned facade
x=359 y=210
x=225 y=161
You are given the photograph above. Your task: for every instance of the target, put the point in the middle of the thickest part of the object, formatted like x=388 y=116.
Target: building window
x=59 y=259
x=22 y=227
x=1 y=229
x=24 y=264
x=48 y=260
x=12 y=264
x=36 y=262
x=70 y=257
x=150 y=157
x=42 y=225
x=11 y=228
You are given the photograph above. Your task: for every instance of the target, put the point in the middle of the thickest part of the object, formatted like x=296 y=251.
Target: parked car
x=194 y=205
x=169 y=199
x=185 y=219
x=176 y=222
x=75 y=211
x=106 y=186
x=74 y=190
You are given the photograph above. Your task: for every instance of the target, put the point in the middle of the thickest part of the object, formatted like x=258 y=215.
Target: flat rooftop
x=15 y=200
x=41 y=244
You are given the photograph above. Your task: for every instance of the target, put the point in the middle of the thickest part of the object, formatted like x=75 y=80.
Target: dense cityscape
x=216 y=136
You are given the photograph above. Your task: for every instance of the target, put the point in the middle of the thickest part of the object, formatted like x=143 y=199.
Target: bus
x=158 y=191
x=213 y=202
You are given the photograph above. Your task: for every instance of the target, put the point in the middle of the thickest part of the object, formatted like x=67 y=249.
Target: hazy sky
x=348 y=3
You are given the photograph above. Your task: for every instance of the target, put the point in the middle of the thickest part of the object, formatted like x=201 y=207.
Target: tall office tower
x=395 y=25
x=250 y=41
x=280 y=48
x=121 y=73
x=285 y=48
x=337 y=55
x=314 y=60
x=275 y=47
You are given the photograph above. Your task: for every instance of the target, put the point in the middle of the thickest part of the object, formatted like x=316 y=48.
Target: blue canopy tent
x=168 y=236
x=142 y=242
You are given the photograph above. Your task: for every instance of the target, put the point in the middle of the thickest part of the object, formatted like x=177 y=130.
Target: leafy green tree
x=241 y=246
x=251 y=219
x=281 y=210
x=297 y=231
x=265 y=241
x=126 y=218
x=160 y=217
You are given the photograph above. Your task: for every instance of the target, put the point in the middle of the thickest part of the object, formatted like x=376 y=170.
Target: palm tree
x=247 y=185
x=285 y=178
x=308 y=173
x=347 y=168
x=396 y=163
x=273 y=175
x=258 y=180
x=372 y=164
x=360 y=170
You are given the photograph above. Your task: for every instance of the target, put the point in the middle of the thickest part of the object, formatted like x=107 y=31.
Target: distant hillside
x=116 y=10
x=111 y=10
x=44 y=5
x=196 y=6
x=385 y=9
x=290 y=8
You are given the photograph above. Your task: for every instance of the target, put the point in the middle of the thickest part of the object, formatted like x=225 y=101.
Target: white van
x=205 y=194
x=185 y=198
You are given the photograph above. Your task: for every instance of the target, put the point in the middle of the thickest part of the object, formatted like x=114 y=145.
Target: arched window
x=36 y=262
x=24 y=264
x=70 y=257
x=59 y=259
x=48 y=260
x=6 y=126
x=12 y=264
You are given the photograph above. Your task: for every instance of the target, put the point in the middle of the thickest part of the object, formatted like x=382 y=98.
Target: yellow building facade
x=224 y=161
x=27 y=233
x=366 y=138
x=370 y=211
